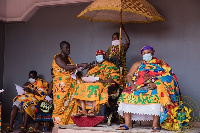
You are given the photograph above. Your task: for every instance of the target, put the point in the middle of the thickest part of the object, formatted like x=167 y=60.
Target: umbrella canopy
x=125 y=11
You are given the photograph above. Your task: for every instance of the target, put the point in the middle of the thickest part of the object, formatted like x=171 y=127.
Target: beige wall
x=32 y=45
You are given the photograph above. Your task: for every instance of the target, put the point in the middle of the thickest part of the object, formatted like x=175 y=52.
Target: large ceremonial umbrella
x=121 y=11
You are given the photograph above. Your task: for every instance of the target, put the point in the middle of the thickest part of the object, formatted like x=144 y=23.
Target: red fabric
x=100 y=52
x=84 y=121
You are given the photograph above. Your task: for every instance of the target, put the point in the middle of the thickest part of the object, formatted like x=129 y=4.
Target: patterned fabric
x=135 y=11
x=100 y=52
x=98 y=91
x=174 y=116
x=29 y=101
x=114 y=50
x=63 y=89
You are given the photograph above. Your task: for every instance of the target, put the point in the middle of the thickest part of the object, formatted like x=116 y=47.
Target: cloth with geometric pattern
x=63 y=91
x=113 y=51
x=133 y=11
x=29 y=101
x=98 y=91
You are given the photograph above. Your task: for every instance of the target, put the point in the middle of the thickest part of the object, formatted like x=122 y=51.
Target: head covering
x=147 y=47
x=100 y=52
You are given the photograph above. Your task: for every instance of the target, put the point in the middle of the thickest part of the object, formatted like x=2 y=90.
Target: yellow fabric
x=29 y=101
x=63 y=89
x=91 y=92
x=136 y=11
x=98 y=91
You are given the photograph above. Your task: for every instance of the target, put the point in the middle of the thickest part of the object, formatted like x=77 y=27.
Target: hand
x=85 y=65
x=133 y=87
x=26 y=89
x=146 y=77
x=120 y=25
x=152 y=86
x=101 y=81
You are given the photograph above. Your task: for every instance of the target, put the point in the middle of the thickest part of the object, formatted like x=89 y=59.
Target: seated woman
x=35 y=90
x=96 y=93
x=152 y=93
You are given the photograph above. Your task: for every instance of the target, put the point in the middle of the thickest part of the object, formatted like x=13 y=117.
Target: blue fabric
x=125 y=127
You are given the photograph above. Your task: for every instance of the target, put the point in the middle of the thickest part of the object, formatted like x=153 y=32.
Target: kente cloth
x=29 y=101
x=173 y=115
x=98 y=91
x=114 y=50
x=63 y=91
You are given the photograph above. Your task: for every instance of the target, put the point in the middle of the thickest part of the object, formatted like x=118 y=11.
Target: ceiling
x=23 y=10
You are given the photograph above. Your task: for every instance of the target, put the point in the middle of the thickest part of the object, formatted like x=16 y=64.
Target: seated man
x=152 y=93
x=35 y=90
x=96 y=93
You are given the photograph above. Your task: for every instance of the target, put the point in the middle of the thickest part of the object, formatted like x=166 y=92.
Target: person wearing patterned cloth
x=152 y=93
x=119 y=59
x=35 y=90
x=64 y=82
x=113 y=51
x=94 y=93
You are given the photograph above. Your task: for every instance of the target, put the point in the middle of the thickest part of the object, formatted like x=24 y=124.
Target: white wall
x=32 y=45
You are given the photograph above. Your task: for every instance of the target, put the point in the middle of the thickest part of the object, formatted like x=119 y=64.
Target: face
x=65 y=49
x=101 y=54
x=115 y=37
x=32 y=78
x=100 y=58
x=147 y=52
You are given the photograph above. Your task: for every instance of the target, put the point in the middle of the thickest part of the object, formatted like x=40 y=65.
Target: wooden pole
x=120 y=41
x=120 y=33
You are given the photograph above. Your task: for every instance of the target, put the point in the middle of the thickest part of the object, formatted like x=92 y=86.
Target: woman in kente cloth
x=152 y=93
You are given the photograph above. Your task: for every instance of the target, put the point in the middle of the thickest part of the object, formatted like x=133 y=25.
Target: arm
x=68 y=67
x=126 y=46
x=50 y=89
x=130 y=74
x=110 y=80
x=26 y=88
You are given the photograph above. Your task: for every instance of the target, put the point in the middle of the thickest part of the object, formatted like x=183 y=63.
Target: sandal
x=123 y=127
x=32 y=130
x=23 y=130
x=155 y=129
x=80 y=113
x=8 y=129
x=90 y=113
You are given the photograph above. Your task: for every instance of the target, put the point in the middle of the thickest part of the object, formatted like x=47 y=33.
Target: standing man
x=63 y=85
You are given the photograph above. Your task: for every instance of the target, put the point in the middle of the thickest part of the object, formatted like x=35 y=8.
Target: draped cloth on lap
x=98 y=91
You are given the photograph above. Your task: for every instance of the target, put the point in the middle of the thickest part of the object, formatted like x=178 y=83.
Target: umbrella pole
x=120 y=33
x=120 y=40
